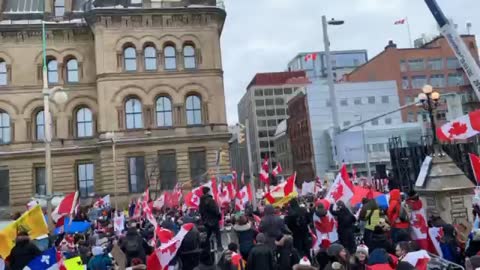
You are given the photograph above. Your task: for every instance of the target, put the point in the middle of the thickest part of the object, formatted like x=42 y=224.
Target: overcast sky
x=263 y=35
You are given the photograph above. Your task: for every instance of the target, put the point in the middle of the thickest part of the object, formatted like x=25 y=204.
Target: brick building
x=433 y=63
x=150 y=71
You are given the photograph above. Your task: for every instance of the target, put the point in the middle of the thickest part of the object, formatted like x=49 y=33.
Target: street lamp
x=111 y=136
x=429 y=101
x=365 y=148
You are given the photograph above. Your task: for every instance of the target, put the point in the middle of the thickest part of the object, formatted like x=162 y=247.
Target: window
x=3 y=73
x=403 y=66
x=346 y=123
x=405 y=83
x=263 y=144
x=59 y=8
x=198 y=165
x=4 y=128
x=262 y=134
x=375 y=122
x=384 y=99
x=260 y=102
x=86 y=179
x=136 y=174
x=437 y=80
x=269 y=102
x=168 y=170
x=452 y=63
x=343 y=102
x=164 y=112
x=189 y=57
x=357 y=101
x=4 y=188
x=281 y=112
x=72 y=71
x=130 y=58
x=378 y=147
x=419 y=81
x=278 y=91
x=133 y=113
x=272 y=123
x=410 y=117
x=455 y=79
x=52 y=71
x=268 y=92
x=371 y=100
x=259 y=92
x=170 y=58
x=388 y=121
x=194 y=110
x=40 y=181
x=150 y=55
x=84 y=123
x=279 y=101
x=39 y=126
x=270 y=112
x=288 y=91
x=262 y=123
x=435 y=64
x=441 y=115
x=261 y=113
x=416 y=64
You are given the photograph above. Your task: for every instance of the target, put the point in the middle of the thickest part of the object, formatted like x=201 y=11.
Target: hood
x=395 y=195
x=378 y=256
x=242 y=228
x=269 y=210
x=22 y=240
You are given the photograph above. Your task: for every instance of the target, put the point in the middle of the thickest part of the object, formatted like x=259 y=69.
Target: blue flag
x=73 y=227
x=46 y=261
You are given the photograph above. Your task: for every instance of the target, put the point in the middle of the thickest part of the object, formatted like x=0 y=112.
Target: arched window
x=3 y=73
x=4 y=128
x=189 y=56
x=194 y=110
x=130 y=57
x=39 y=126
x=170 y=58
x=150 y=54
x=133 y=114
x=52 y=68
x=72 y=70
x=164 y=112
x=84 y=123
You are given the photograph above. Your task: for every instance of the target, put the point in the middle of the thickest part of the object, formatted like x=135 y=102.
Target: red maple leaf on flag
x=325 y=225
x=171 y=248
x=457 y=129
x=420 y=223
x=440 y=234
x=338 y=192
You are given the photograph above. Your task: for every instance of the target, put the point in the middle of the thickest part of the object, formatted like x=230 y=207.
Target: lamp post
x=365 y=148
x=429 y=101
x=111 y=136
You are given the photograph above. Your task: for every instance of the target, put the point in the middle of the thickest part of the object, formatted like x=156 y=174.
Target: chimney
x=391 y=44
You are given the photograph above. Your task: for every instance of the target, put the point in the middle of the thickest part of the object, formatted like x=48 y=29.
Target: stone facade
x=98 y=41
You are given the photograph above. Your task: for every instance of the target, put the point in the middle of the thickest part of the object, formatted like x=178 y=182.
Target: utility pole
x=250 y=165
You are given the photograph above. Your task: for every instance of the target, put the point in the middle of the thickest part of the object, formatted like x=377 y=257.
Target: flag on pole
x=264 y=177
x=461 y=128
x=283 y=192
x=48 y=260
x=310 y=56
x=102 y=202
x=325 y=227
x=419 y=259
x=277 y=170
x=342 y=187
x=400 y=21
x=475 y=163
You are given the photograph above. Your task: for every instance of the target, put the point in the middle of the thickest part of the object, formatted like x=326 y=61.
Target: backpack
x=132 y=246
x=404 y=215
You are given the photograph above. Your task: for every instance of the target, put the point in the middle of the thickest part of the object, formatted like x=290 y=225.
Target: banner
x=31 y=221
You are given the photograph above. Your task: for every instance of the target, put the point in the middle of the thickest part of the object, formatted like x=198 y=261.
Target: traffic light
x=241 y=137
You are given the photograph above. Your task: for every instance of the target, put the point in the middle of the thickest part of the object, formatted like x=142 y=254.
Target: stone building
x=151 y=74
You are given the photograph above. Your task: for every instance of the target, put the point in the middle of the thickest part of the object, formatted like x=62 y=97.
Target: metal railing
x=439 y=263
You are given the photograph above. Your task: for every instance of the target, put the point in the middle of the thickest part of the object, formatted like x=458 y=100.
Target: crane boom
x=458 y=46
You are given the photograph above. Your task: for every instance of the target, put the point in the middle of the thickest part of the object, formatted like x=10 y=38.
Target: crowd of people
x=267 y=238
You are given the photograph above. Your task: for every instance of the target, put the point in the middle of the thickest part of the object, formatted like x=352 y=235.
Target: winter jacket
x=99 y=262
x=261 y=258
x=246 y=236
x=346 y=221
x=449 y=246
x=287 y=256
x=22 y=253
x=473 y=248
x=379 y=240
x=297 y=221
x=209 y=211
x=272 y=226
x=202 y=266
x=394 y=210
x=357 y=265
x=370 y=214
x=134 y=236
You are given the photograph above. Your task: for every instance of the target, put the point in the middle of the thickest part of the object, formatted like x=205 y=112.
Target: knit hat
x=362 y=249
x=304 y=261
x=334 y=250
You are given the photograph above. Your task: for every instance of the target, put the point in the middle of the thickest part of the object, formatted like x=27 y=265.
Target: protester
x=23 y=252
x=473 y=247
x=99 y=261
x=206 y=262
x=449 y=245
x=380 y=259
x=225 y=262
x=401 y=249
x=361 y=257
x=370 y=215
x=338 y=258
x=304 y=264
x=297 y=221
x=189 y=251
x=245 y=234
x=272 y=226
x=346 y=221
x=211 y=216
x=397 y=215
x=133 y=245
x=261 y=256
x=379 y=240
x=472 y=263
x=287 y=254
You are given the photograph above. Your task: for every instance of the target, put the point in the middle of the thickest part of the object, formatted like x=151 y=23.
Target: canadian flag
x=461 y=128
x=192 y=199
x=401 y=21
x=102 y=202
x=325 y=227
x=162 y=256
x=159 y=202
x=137 y=212
x=475 y=163
x=419 y=227
x=315 y=242
x=223 y=194
x=281 y=190
x=342 y=187
x=265 y=166
x=419 y=259
x=164 y=235
x=310 y=56
x=264 y=177
x=435 y=234
x=277 y=170
x=66 y=207
x=244 y=195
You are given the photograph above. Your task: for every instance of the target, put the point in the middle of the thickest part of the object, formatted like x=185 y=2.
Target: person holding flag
x=23 y=252
x=211 y=216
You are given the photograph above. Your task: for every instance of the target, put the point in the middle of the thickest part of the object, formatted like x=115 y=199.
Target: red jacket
x=393 y=212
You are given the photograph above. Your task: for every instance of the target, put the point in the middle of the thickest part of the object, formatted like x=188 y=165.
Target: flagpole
x=409 y=33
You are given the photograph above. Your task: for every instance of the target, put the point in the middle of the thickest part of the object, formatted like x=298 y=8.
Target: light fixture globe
x=60 y=97
x=435 y=96
x=422 y=97
x=427 y=89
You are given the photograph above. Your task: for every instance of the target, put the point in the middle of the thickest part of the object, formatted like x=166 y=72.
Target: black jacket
x=22 y=253
x=287 y=257
x=261 y=258
x=473 y=248
x=346 y=221
x=209 y=211
x=272 y=226
x=133 y=235
x=380 y=241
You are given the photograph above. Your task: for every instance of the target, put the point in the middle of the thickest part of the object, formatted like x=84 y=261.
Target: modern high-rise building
x=433 y=63
x=150 y=71
x=265 y=105
x=315 y=64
